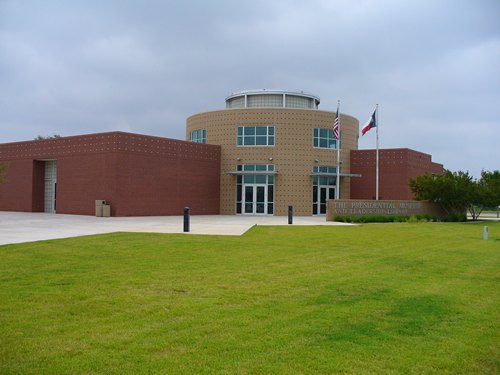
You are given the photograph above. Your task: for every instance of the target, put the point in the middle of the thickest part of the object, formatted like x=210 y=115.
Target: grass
x=380 y=298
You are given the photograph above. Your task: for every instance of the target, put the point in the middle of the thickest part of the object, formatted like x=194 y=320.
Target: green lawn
x=380 y=298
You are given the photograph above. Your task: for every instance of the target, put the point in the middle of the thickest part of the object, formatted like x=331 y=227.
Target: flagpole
x=337 y=192
x=376 y=168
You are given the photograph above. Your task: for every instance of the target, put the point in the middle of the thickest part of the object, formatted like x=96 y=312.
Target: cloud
x=90 y=66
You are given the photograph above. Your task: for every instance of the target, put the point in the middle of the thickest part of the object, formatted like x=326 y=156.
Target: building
x=265 y=151
x=277 y=150
x=396 y=167
x=136 y=174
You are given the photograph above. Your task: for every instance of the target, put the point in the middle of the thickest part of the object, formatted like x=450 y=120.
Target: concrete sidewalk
x=18 y=227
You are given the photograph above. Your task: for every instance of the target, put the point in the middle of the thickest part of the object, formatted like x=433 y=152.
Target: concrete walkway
x=18 y=227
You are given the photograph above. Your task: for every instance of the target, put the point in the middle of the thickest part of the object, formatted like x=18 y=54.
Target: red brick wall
x=166 y=185
x=437 y=168
x=136 y=174
x=16 y=192
x=396 y=167
x=81 y=180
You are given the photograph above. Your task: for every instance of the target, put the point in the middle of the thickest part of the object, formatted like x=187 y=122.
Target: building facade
x=137 y=175
x=277 y=150
x=265 y=151
x=396 y=167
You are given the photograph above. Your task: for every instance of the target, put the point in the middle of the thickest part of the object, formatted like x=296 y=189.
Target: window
x=236 y=102
x=267 y=100
x=255 y=136
x=299 y=102
x=324 y=180
x=199 y=136
x=323 y=138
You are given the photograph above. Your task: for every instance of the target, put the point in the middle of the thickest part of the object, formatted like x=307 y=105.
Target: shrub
x=455 y=218
x=385 y=219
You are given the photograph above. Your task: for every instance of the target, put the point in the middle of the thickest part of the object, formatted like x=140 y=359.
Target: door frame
x=254 y=202
x=330 y=192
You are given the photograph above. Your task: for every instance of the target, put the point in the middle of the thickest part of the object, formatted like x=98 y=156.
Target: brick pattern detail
x=106 y=142
x=137 y=174
x=396 y=167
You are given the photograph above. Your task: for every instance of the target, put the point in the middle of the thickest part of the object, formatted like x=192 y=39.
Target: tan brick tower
x=277 y=150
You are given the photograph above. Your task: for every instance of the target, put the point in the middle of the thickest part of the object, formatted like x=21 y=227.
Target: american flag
x=336 y=125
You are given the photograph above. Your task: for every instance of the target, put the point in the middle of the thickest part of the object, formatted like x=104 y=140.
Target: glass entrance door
x=255 y=189
x=255 y=199
x=321 y=195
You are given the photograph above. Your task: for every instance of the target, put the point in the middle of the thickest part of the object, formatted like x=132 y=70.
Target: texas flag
x=372 y=123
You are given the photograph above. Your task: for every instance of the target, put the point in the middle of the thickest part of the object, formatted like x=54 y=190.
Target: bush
x=400 y=219
x=385 y=219
x=424 y=218
x=455 y=218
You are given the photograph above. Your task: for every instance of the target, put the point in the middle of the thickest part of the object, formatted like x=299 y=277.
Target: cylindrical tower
x=277 y=150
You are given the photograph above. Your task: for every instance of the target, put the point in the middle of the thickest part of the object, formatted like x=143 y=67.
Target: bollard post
x=186 y=219
x=290 y=214
x=485 y=232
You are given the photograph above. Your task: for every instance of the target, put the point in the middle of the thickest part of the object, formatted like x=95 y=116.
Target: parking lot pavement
x=18 y=227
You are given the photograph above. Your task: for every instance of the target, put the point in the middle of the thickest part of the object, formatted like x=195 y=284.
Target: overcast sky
x=73 y=67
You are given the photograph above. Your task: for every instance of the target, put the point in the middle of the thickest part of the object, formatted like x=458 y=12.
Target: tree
x=478 y=198
x=458 y=192
x=40 y=137
x=491 y=183
x=486 y=193
x=453 y=191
